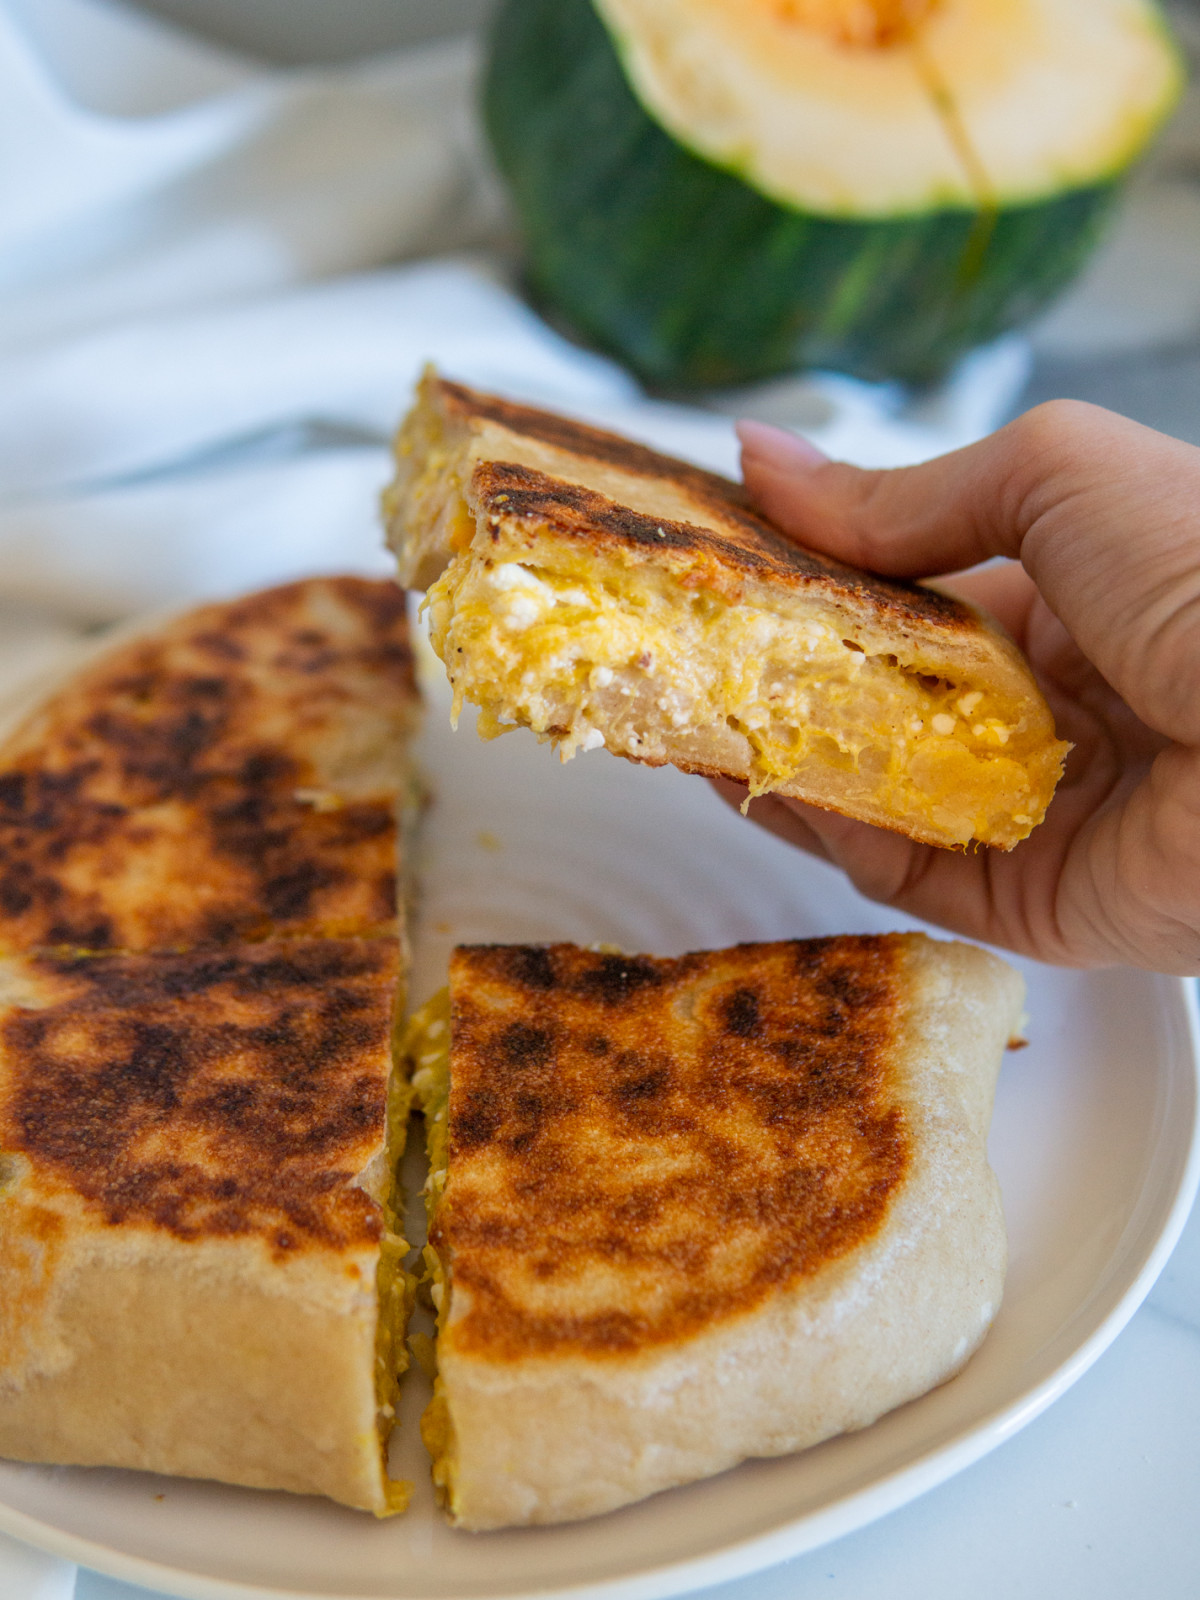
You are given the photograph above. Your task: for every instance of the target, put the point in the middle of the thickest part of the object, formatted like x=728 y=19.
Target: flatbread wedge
x=202 y=960
x=603 y=594
x=195 y=1245
x=691 y=1211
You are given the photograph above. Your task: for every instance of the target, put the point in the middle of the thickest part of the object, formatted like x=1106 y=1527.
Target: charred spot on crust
x=17 y=887
x=613 y=979
x=220 y=645
x=262 y=769
x=531 y=966
x=742 y=1014
x=13 y=788
x=477 y=1121
x=210 y=1093
x=531 y=495
x=290 y=895
x=646 y=1083
x=711 y=1127
x=579 y=438
x=522 y=1045
x=266 y=971
x=746 y=543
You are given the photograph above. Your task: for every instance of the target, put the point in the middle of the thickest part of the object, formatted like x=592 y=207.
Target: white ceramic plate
x=1093 y=1139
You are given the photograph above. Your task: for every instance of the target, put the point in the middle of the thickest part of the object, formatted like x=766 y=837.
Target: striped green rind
x=695 y=279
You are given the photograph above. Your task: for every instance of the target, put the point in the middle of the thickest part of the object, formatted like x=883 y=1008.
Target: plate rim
x=808 y=1531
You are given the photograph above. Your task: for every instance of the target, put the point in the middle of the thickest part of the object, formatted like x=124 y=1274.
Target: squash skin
x=694 y=279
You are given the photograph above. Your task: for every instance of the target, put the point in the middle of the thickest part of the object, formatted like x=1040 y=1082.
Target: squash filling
x=395 y=1287
x=658 y=672
x=427 y=1047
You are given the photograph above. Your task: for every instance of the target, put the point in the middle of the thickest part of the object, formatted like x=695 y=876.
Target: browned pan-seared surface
x=235 y=1092
x=230 y=776
x=722 y=534
x=639 y=1148
x=717 y=554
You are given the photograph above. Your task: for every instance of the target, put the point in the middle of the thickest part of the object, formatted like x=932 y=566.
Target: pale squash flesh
x=715 y=191
x=885 y=107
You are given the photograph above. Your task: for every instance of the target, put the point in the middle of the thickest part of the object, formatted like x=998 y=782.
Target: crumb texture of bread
x=604 y=595
x=201 y=964
x=704 y=1209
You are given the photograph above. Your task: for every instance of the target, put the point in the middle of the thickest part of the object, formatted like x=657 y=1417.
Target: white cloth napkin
x=204 y=340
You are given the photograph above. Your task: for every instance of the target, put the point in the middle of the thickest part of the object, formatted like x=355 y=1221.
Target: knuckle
x=1048 y=447
x=1053 y=432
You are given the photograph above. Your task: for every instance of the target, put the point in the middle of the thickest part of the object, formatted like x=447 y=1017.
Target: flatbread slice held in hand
x=603 y=594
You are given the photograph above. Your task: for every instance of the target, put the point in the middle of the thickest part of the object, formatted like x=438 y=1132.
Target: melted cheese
x=585 y=661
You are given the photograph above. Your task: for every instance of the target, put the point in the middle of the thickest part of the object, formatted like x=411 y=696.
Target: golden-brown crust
x=643 y=1148
x=193 y=1156
x=234 y=859
x=205 y=783
x=464 y=406
x=219 y=687
x=222 y=1093
x=731 y=535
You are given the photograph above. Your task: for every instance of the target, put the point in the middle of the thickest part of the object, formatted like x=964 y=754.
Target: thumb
x=1103 y=514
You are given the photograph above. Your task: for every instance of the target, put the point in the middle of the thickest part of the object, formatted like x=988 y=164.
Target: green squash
x=715 y=191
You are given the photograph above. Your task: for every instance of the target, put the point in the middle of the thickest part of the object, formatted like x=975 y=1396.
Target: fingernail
x=779 y=446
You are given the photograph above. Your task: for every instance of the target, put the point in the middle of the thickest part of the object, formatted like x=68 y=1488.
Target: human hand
x=1101 y=521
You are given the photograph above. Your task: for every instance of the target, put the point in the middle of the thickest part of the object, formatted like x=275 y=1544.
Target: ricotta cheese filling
x=643 y=665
